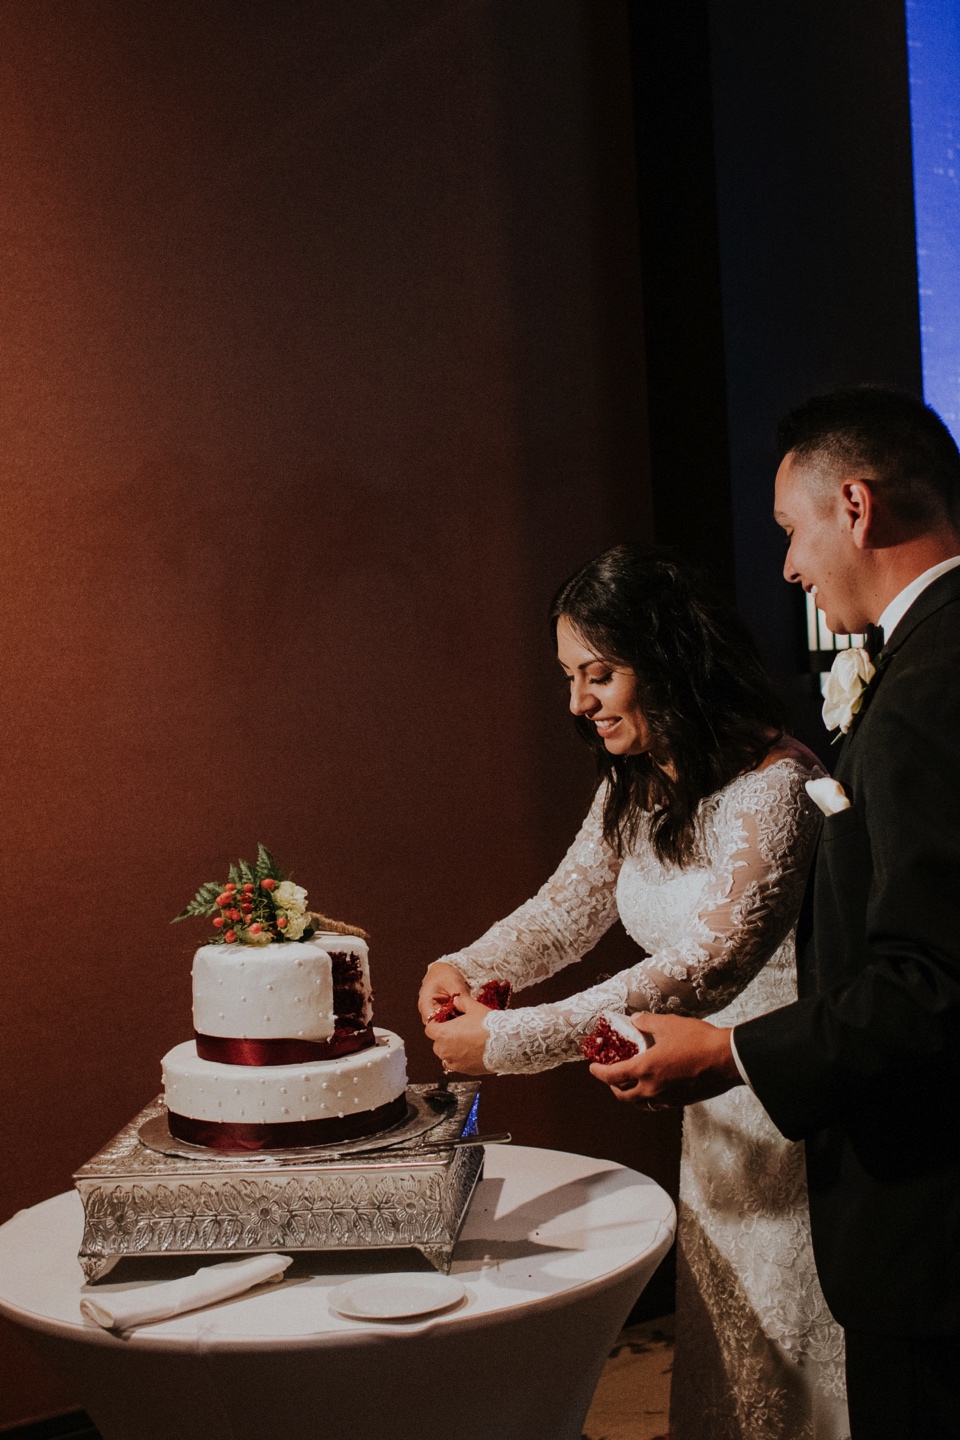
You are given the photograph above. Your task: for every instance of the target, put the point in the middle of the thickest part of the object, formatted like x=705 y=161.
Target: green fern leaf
x=266 y=867
x=203 y=903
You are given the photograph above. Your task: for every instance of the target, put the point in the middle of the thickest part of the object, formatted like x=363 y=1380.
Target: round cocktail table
x=553 y=1254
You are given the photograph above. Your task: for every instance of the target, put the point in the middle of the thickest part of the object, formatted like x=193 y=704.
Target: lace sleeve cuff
x=524 y=1042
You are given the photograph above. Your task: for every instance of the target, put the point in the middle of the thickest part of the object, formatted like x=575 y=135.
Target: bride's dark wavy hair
x=711 y=709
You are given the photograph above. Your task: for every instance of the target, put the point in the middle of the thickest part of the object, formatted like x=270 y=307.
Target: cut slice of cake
x=612 y=1039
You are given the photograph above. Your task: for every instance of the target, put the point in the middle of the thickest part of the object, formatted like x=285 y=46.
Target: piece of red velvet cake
x=495 y=995
x=612 y=1039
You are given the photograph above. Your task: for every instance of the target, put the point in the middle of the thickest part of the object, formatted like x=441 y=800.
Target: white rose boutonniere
x=848 y=680
x=829 y=794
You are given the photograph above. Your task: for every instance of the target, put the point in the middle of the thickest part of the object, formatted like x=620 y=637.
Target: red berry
x=218 y=922
x=233 y=914
x=281 y=922
x=246 y=907
x=255 y=929
x=268 y=884
x=248 y=889
x=223 y=899
x=230 y=886
x=230 y=936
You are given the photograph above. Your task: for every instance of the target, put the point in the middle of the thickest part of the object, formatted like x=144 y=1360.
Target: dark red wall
x=320 y=368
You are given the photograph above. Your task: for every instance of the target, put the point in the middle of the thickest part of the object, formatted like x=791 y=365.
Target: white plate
x=396 y=1297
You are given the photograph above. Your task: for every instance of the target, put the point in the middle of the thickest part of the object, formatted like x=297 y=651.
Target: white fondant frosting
x=273 y=1094
x=274 y=991
x=624 y=1026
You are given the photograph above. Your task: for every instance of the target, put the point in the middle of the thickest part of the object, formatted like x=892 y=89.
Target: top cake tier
x=307 y=990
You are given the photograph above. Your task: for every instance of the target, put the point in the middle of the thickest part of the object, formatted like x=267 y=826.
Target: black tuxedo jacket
x=865 y=1067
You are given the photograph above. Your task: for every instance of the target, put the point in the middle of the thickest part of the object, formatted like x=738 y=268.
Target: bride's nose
x=582 y=702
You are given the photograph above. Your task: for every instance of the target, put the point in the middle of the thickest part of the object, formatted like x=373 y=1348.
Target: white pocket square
x=829 y=794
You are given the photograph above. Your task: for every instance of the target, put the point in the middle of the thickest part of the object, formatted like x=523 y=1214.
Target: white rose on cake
x=848 y=680
x=295 y=926
x=290 y=898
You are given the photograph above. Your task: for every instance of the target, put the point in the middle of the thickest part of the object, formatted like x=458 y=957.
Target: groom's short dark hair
x=894 y=435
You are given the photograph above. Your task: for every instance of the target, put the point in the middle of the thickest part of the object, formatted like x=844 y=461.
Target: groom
x=865 y=1066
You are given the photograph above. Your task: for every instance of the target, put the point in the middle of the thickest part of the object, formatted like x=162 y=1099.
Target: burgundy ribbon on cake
x=228 y=1051
x=229 y=1135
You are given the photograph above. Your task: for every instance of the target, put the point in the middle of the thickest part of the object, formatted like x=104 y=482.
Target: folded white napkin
x=123 y=1309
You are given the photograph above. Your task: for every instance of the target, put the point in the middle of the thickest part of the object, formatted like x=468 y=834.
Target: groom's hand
x=685 y=1061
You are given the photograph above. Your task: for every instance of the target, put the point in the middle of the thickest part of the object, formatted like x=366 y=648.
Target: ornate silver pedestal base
x=139 y=1201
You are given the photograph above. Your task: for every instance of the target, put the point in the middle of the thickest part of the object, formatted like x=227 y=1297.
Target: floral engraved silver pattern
x=138 y=1202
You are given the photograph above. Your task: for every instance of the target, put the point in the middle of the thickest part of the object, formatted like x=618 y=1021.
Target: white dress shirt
x=888 y=622
x=901 y=603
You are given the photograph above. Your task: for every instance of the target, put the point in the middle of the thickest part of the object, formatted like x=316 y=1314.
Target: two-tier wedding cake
x=285 y=1051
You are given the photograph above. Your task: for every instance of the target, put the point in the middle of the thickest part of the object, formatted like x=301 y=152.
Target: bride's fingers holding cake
x=459 y=1044
x=441 y=985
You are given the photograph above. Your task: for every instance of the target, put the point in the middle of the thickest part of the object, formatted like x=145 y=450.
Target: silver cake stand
x=147 y=1193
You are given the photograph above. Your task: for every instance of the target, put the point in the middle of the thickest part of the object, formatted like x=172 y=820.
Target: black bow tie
x=873 y=640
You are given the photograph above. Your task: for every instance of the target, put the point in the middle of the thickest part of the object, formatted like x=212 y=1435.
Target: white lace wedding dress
x=758 y=1356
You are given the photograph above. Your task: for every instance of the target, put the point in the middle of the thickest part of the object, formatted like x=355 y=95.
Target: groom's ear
x=858 y=509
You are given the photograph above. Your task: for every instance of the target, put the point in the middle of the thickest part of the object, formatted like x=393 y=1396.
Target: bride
x=699 y=839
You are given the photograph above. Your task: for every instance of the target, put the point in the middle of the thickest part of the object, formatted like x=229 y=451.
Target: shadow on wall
x=287 y=481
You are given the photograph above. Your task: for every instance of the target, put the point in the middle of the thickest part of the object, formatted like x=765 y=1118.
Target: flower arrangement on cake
x=260 y=905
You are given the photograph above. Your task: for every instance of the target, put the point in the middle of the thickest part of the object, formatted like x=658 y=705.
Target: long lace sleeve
x=560 y=924
x=739 y=900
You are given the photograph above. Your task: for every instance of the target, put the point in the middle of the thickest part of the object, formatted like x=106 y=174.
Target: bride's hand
x=440 y=984
x=459 y=1044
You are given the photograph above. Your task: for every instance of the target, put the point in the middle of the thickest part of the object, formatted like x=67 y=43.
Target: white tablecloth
x=554 y=1252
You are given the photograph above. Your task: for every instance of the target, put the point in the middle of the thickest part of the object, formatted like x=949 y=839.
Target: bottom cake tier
x=277 y=1106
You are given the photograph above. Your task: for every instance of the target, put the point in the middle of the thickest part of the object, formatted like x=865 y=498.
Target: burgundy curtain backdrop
x=320 y=369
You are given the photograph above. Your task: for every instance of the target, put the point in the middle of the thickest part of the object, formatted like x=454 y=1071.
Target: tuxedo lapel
x=944 y=591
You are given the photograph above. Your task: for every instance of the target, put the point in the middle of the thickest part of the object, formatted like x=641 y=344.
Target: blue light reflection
x=933 y=39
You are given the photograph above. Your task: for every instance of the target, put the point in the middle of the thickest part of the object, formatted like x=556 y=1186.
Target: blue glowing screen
x=933 y=39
